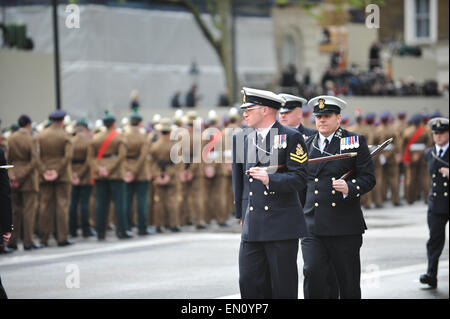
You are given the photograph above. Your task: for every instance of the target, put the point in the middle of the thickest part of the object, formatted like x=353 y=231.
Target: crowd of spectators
x=356 y=82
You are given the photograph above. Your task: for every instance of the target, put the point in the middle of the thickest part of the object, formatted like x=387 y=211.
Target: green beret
x=82 y=122
x=108 y=118
x=136 y=115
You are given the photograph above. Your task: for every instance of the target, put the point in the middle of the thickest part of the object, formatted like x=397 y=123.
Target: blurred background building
x=303 y=47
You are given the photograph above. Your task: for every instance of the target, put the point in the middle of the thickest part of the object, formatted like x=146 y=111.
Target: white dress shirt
x=321 y=141
x=444 y=149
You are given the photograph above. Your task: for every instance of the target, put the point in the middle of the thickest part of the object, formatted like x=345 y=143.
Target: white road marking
x=183 y=238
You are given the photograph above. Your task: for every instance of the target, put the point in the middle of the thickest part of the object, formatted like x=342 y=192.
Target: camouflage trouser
x=387 y=177
x=216 y=196
x=416 y=181
x=24 y=205
x=165 y=207
x=55 y=196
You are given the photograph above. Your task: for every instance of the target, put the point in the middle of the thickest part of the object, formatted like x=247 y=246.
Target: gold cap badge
x=321 y=103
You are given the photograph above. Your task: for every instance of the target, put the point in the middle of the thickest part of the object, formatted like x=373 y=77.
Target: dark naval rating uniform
x=438 y=205
x=335 y=222
x=272 y=217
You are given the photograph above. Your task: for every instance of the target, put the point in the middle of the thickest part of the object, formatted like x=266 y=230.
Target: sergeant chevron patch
x=299 y=159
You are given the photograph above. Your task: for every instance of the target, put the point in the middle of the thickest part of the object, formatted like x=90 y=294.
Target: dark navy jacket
x=327 y=213
x=438 y=196
x=275 y=213
x=306 y=131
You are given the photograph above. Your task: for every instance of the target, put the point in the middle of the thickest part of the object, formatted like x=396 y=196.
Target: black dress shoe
x=398 y=204
x=224 y=224
x=159 y=229
x=125 y=235
x=66 y=243
x=429 y=280
x=101 y=236
x=89 y=233
x=200 y=227
x=145 y=232
x=175 y=229
x=6 y=250
x=32 y=246
x=13 y=247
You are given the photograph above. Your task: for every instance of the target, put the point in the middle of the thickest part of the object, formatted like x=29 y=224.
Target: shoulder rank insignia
x=338 y=133
x=350 y=142
x=280 y=141
x=300 y=156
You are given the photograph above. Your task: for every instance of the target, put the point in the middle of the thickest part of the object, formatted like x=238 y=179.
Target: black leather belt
x=133 y=157
x=78 y=161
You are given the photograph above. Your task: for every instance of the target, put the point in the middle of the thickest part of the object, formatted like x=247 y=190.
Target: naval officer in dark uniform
x=332 y=209
x=266 y=201
x=291 y=114
x=437 y=217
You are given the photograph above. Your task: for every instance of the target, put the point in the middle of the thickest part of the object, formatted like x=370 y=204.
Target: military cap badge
x=321 y=103
x=438 y=123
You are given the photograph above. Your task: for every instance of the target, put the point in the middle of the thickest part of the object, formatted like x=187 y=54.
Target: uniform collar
x=329 y=138
x=265 y=131
x=444 y=148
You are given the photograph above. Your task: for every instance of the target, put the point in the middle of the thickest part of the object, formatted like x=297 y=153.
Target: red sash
x=407 y=155
x=102 y=149
x=105 y=144
x=212 y=144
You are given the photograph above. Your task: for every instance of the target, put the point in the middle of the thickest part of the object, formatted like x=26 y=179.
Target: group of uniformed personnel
x=400 y=165
x=401 y=168
x=288 y=185
x=65 y=178
x=70 y=178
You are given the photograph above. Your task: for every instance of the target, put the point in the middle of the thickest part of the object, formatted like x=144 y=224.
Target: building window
x=422 y=18
x=288 y=51
x=420 y=21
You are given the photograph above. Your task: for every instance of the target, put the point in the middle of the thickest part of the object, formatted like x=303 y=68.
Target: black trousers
x=435 y=245
x=321 y=254
x=80 y=195
x=268 y=269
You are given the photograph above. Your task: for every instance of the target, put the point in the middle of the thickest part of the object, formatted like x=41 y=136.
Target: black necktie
x=326 y=145
x=441 y=151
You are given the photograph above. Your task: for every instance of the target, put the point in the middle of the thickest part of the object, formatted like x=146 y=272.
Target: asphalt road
x=204 y=264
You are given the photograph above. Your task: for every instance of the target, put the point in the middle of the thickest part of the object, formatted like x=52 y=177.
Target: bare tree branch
x=190 y=6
